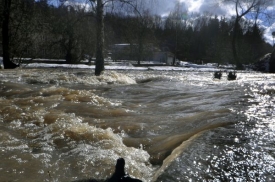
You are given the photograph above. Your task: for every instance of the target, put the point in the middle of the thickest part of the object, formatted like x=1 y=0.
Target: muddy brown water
x=67 y=124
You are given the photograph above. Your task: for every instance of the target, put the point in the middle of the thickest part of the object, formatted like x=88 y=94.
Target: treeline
x=40 y=30
x=210 y=39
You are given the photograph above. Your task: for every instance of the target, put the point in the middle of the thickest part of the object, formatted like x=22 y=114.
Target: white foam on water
x=67 y=77
x=95 y=150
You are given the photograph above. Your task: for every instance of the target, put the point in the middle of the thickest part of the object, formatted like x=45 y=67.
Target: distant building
x=163 y=57
x=129 y=52
x=124 y=52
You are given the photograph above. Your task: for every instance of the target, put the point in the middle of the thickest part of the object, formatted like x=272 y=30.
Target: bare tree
x=177 y=20
x=99 y=38
x=99 y=6
x=141 y=32
x=242 y=9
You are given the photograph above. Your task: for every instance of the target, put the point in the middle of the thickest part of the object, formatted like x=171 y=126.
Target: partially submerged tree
x=99 y=67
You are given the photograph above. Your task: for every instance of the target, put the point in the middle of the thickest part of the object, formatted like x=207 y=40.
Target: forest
x=38 y=29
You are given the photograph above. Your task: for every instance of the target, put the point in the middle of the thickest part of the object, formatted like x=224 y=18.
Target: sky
x=215 y=7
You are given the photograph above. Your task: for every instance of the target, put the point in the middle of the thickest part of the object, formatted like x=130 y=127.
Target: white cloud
x=193 y=6
x=79 y=4
x=199 y=6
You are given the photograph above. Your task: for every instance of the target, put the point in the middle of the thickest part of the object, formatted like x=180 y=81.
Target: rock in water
x=266 y=63
x=272 y=62
x=263 y=64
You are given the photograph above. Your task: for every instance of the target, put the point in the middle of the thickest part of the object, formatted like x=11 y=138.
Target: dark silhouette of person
x=231 y=75
x=120 y=175
x=218 y=74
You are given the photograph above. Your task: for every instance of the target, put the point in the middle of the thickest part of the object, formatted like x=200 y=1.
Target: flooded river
x=66 y=124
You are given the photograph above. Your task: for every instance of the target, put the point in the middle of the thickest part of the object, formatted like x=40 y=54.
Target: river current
x=60 y=125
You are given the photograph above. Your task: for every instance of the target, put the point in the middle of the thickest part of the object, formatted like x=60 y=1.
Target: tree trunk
x=234 y=48
x=99 y=65
x=8 y=64
x=176 y=47
x=140 y=46
x=140 y=53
